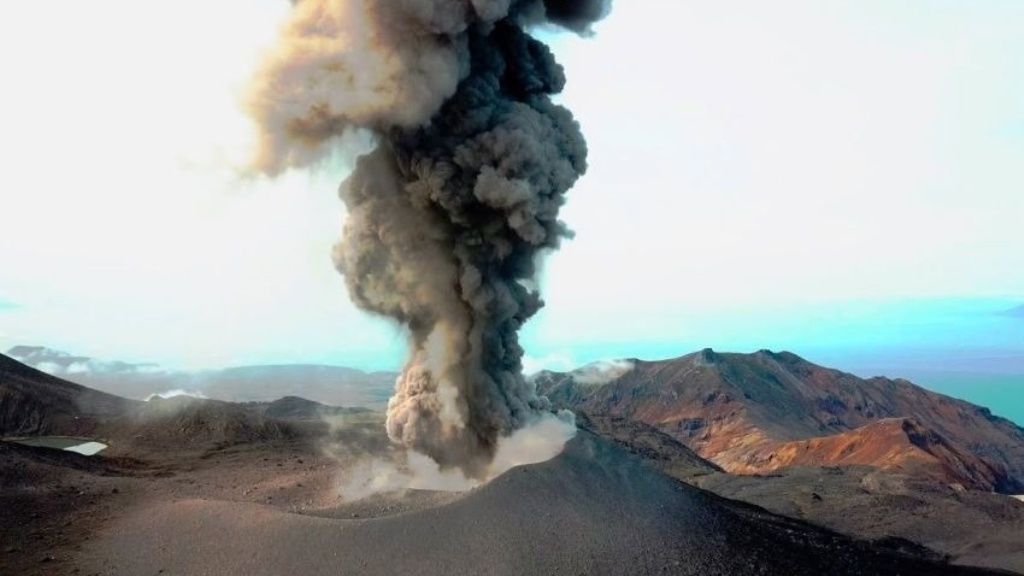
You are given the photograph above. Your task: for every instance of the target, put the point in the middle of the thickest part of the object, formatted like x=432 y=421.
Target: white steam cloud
x=176 y=393
x=540 y=441
x=602 y=372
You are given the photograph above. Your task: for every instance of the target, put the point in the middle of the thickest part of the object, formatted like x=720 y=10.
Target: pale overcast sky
x=817 y=175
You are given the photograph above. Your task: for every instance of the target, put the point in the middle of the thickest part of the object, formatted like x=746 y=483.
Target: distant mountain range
x=860 y=457
x=761 y=412
x=33 y=403
x=748 y=413
x=333 y=385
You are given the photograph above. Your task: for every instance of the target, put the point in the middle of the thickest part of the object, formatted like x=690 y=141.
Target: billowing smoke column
x=447 y=215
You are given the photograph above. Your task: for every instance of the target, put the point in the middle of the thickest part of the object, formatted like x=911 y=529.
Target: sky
x=840 y=179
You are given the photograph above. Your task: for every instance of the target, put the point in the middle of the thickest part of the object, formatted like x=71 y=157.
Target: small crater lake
x=82 y=446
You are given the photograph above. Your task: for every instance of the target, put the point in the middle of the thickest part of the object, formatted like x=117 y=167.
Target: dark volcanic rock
x=183 y=422
x=664 y=452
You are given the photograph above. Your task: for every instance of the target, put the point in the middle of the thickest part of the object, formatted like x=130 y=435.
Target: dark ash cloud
x=449 y=213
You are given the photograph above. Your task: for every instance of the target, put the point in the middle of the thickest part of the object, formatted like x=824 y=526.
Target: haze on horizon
x=833 y=178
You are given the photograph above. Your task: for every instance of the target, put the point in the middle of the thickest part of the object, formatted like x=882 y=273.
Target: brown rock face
x=900 y=444
x=753 y=413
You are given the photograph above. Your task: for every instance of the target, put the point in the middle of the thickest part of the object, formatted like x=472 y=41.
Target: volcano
x=267 y=502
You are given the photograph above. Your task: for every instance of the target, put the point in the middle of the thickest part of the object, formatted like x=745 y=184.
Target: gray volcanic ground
x=592 y=510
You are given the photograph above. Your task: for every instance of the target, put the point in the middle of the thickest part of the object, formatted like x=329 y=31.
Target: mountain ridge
x=33 y=402
x=734 y=408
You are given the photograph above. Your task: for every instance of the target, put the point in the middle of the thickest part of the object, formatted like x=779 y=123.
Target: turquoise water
x=1002 y=394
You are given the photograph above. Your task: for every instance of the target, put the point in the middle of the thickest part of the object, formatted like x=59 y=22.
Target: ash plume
x=449 y=212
